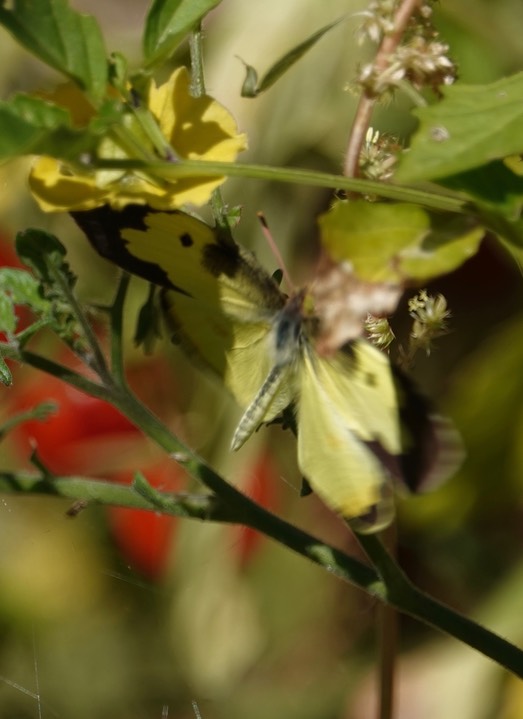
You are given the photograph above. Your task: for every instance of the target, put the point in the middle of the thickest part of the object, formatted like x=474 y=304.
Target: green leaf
x=472 y=125
x=118 y=72
x=493 y=185
x=43 y=252
x=148 y=323
x=451 y=241
x=40 y=412
x=510 y=231
x=20 y=287
x=497 y=194
x=8 y=319
x=168 y=23
x=6 y=377
x=251 y=87
x=30 y=125
x=395 y=243
x=23 y=289
x=66 y=40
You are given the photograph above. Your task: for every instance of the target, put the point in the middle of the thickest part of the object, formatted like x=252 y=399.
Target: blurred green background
x=112 y=615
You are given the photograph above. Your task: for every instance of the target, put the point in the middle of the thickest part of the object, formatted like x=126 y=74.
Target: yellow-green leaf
x=471 y=126
x=65 y=39
x=395 y=243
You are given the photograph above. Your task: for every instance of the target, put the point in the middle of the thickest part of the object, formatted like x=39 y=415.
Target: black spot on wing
x=103 y=228
x=370 y=379
x=186 y=240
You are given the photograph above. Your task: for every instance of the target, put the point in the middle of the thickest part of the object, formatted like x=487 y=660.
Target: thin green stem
x=237 y=504
x=450 y=202
x=388 y=631
x=150 y=126
x=97 y=361
x=236 y=507
x=391 y=586
x=66 y=374
x=117 y=315
x=132 y=144
x=388 y=634
x=414 y=95
x=197 y=88
x=202 y=507
x=407 y=598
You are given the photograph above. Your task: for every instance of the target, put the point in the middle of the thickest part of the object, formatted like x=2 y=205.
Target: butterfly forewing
x=343 y=471
x=337 y=430
x=218 y=302
x=362 y=376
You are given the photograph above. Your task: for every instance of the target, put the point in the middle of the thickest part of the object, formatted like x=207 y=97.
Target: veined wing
x=218 y=302
x=346 y=413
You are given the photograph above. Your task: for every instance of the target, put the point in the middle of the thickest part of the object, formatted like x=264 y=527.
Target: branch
x=367 y=101
x=388 y=584
x=407 y=598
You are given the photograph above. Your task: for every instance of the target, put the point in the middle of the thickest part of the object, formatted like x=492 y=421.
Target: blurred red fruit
x=261 y=486
x=145 y=538
x=77 y=439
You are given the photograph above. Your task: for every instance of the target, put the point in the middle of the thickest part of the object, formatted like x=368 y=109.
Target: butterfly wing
x=218 y=302
x=348 y=430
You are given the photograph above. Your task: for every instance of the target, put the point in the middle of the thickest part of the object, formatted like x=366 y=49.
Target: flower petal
x=196 y=128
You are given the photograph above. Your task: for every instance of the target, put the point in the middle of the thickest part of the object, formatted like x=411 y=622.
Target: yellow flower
x=195 y=128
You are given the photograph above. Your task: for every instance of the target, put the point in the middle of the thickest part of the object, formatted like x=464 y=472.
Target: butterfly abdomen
x=286 y=339
x=257 y=410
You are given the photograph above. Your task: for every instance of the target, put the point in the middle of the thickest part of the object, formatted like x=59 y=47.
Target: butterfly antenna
x=275 y=251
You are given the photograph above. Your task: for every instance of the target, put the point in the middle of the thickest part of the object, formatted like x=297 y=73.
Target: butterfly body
x=229 y=314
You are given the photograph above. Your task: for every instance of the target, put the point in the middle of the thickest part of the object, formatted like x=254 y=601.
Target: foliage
x=110 y=136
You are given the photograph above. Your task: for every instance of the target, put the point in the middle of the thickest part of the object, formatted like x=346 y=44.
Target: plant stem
x=390 y=585
x=388 y=638
x=407 y=598
x=203 y=507
x=97 y=361
x=388 y=633
x=197 y=88
x=367 y=101
x=117 y=309
x=393 y=587
x=450 y=202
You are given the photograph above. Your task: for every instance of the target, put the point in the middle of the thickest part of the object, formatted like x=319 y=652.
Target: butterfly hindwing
x=348 y=435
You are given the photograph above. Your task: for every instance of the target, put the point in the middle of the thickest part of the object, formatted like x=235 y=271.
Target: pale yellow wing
x=223 y=306
x=348 y=430
x=220 y=304
x=239 y=353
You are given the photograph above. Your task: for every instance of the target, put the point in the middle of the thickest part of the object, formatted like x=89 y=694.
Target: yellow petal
x=56 y=191
x=69 y=96
x=196 y=127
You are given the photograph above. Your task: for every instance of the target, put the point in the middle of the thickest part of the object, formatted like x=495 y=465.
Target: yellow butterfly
x=229 y=313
